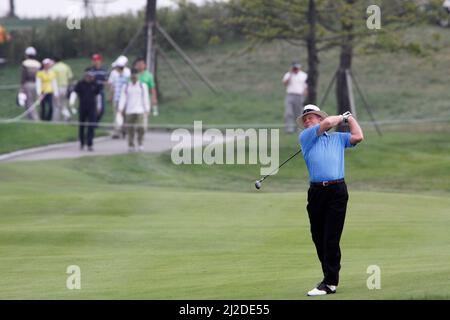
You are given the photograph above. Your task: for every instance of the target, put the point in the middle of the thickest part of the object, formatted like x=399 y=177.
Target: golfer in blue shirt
x=327 y=196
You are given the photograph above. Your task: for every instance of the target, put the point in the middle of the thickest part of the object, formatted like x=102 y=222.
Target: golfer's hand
x=346 y=115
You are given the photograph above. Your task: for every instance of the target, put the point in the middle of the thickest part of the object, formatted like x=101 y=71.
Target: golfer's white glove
x=346 y=115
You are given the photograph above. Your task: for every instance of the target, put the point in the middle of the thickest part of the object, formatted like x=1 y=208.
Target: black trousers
x=47 y=107
x=87 y=115
x=326 y=210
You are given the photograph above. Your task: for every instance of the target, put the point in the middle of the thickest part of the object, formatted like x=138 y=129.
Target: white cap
x=121 y=61
x=47 y=61
x=30 y=51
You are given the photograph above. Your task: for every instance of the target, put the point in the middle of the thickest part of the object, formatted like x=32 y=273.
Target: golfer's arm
x=328 y=123
x=355 y=131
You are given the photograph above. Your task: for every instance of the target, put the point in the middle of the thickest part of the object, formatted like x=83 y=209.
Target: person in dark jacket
x=101 y=77
x=86 y=90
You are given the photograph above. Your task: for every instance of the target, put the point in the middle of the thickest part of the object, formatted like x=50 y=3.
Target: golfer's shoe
x=321 y=290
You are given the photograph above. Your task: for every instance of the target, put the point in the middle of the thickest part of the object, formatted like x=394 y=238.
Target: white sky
x=54 y=8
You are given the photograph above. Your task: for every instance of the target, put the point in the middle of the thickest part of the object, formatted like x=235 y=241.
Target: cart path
x=154 y=142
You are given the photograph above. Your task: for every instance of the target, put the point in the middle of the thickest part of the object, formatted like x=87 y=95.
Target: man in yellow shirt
x=63 y=74
x=46 y=88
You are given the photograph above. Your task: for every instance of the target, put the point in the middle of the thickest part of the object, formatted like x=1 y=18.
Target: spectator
x=47 y=88
x=446 y=6
x=87 y=91
x=64 y=75
x=296 y=90
x=30 y=66
x=146 y=77
x=4 y=38
x=117 y=79
x=101 y=77
x=4 y=35
x=134 y=102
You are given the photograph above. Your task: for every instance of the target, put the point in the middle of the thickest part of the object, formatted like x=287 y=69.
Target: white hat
x=30 y=51
x=47 y=61
x=311 y=108
x=121 y=61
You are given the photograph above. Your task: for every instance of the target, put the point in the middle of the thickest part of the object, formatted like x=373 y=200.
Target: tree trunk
x=150 y=40
x=12 y=9
x=150 y=48
x=345 y=63
x=313 y=58
x=158 y=92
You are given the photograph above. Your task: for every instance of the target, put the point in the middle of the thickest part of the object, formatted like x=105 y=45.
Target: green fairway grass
x=140 y=227
x=153 y=243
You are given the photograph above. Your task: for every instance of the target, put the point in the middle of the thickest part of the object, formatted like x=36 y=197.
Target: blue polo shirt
x=324 y=154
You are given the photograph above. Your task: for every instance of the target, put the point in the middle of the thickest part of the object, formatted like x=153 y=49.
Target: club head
x=258 y=184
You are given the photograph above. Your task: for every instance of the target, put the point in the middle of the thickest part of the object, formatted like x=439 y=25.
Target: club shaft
x=281 y=164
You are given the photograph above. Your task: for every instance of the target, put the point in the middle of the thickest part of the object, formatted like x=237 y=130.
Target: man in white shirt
x=296 y=90
x=118 y=77
x=135 y=103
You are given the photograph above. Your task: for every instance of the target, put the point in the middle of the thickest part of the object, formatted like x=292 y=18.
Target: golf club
x=258 y=183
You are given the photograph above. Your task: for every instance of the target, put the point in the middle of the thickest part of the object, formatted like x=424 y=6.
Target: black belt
x=326 y=183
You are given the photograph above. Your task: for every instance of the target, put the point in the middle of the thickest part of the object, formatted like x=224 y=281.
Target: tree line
x=314 y=25
x=190 y=25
